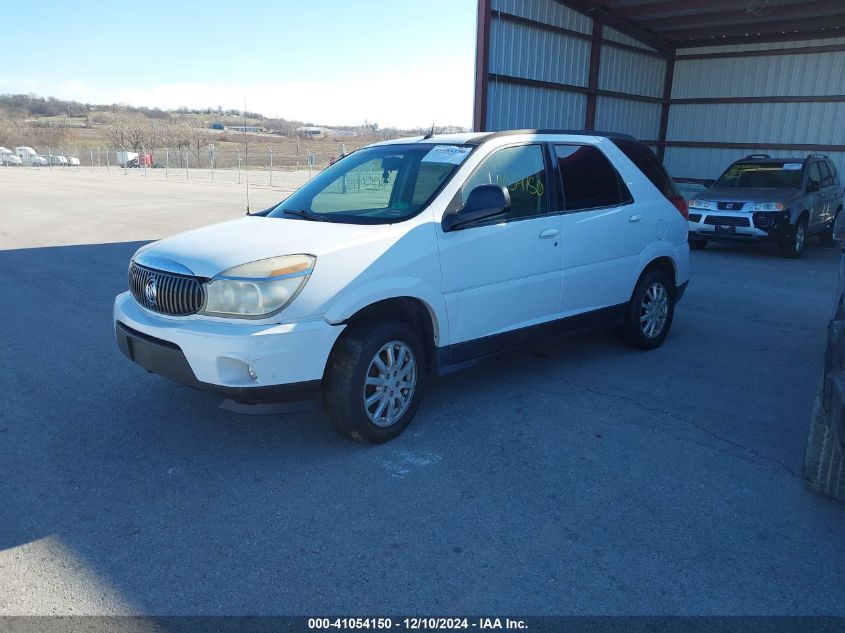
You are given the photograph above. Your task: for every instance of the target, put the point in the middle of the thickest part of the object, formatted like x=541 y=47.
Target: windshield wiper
x=307 y=215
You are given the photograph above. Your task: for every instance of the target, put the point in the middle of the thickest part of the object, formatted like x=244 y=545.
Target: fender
x=355 y=299
x=654 y=250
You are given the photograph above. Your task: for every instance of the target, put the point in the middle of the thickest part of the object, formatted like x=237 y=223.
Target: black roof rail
x=492 y=135
x=758 y=156
x=818 y=156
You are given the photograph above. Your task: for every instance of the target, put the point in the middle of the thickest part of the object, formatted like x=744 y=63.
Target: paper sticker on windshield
x=791 y=166
x=447 y=154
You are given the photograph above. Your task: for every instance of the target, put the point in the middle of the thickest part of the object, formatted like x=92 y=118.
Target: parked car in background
x=38 y=161
x=824 y=459
x=784 y=200
x=54 y=159
x=7 y=157
x=72 y=161
x=25 y=154
x=133 y=159
x=409 y=256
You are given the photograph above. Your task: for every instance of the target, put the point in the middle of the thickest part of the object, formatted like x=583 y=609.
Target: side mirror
x=813 y=186
x=483 y=202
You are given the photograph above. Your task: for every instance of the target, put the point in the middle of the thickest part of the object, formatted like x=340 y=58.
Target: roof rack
x=487 y=137
x=817 y=156
x=758 y=156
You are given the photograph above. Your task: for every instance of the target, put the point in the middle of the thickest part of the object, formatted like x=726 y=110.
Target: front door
x=504 y=274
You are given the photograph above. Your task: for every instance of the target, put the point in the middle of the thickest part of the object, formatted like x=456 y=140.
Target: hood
x=210 y=250
x=747 y=194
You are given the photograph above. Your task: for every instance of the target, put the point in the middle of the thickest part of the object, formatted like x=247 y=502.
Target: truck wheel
x=374 y=381
x=824 y=463
x=650 y=312
x=697 y=244
x=793 y=244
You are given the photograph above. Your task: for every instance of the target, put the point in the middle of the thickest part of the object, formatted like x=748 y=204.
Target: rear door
x=815 y=196
x=829 y=191
x=603 y=232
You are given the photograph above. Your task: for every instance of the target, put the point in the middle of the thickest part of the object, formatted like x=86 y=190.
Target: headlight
x=768 y=206
x=259 y=288
x=706 y=205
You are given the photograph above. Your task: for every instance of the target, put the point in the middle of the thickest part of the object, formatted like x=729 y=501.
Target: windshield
x=376 y=185
x=768 y=175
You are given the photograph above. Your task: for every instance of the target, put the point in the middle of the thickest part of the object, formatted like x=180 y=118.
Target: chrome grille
x=176 y=295
x=727 y=220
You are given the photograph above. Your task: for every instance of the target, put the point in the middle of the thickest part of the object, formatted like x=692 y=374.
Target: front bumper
x=287 y=360
x=738 y=226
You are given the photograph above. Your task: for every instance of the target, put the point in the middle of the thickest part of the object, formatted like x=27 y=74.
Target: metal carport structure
x=702 y=81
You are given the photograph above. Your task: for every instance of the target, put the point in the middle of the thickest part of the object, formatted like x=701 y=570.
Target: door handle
x=548 y=233
x=635 y=218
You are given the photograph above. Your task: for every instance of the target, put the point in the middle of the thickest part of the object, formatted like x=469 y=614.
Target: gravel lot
x=573 y=477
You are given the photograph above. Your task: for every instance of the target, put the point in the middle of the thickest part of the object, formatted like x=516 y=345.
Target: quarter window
x=522 y=170
x=589 y=180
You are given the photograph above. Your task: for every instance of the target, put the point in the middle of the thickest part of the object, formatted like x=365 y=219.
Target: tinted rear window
x=650 y=165
x=589 y=179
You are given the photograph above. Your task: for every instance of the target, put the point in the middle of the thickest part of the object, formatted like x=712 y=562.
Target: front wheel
x=793 y=244
x=650 y=311
x=374 y=380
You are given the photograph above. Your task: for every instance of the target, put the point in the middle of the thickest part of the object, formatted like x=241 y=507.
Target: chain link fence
x=255 y=164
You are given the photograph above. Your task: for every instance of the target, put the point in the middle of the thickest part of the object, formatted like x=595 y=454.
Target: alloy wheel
x=390 y=383
x=654 y=310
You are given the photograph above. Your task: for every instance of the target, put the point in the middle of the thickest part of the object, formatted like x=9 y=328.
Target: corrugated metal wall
x=525 y=51
x=521 y=50
x=539 y=54
x=806 y=75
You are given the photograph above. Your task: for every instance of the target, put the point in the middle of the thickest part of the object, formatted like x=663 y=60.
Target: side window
x=832 y=172
x=589 y=180
x=814 y=175
x=650 y=165
x=522 y=170
x=827 y=178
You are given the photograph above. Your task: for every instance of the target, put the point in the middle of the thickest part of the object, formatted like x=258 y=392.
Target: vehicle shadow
x=180 y=507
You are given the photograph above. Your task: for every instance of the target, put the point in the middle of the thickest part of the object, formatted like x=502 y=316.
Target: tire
x=353 y=362
x=654 y=288
x=824 y=462
x=826 y=237
x=697 y=244
x=793 y=244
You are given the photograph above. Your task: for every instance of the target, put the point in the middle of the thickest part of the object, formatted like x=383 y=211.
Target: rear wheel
x=697 y=244
x=793 y=244
x=650 y=311
x=374 y=381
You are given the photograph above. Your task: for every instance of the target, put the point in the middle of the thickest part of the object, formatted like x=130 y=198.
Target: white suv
x=410 y=256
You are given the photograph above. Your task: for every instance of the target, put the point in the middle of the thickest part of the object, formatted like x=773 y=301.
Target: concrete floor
x=572 y=477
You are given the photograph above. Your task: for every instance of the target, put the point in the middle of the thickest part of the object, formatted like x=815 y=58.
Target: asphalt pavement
x=574 y=476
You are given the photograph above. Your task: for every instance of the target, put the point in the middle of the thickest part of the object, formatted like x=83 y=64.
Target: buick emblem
x=150 y=291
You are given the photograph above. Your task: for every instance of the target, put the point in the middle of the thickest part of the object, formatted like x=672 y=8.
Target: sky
x=400 y=63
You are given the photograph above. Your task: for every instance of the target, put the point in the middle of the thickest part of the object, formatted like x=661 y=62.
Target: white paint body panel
x=475 y=282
